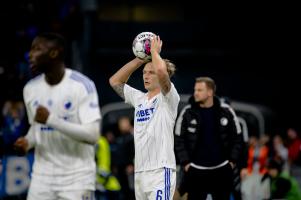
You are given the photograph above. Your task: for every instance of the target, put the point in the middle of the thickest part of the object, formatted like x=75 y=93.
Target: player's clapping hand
x=156 y=44
x=42 y=114
x=21 y=145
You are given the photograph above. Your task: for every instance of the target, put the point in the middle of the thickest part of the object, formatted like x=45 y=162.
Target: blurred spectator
x=280 y=152
x=14 y=124
x=107 y=185
x=257 y=154
x=125 y=154
x=294 y=153
x=283 y=186
x=254 y=185
x=294 y=147
x=111 y=138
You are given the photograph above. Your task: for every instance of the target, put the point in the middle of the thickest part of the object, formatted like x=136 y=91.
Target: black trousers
x=217 y=182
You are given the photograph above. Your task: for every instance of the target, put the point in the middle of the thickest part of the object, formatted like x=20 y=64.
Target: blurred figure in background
x=108 y=187
x=125 y=157
x=254 y=184
x=13 y=125
x=283 y=186
x=208 y=144
x=294 y=153
x=258 y=154
x=280 y=152
x=64 y=116
x=294 y=146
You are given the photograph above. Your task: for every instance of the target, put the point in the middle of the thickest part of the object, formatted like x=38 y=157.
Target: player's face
x=201 y=92
x=39 y=54
x=150 y=78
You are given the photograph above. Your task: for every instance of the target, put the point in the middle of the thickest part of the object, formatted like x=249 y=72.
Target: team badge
x=193 y=121
x=224 y=121
x=68 y=104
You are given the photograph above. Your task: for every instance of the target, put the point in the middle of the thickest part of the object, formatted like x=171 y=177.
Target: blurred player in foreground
x=62 y=108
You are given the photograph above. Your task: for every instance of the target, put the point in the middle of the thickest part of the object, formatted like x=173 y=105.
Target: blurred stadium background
x=249 y=49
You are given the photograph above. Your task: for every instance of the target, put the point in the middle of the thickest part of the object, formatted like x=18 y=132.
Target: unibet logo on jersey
x=143 y=115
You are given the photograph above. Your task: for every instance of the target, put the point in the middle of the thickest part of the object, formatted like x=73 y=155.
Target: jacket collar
x=194 y=104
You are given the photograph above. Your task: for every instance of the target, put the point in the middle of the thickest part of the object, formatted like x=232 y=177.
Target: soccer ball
x=142 y=45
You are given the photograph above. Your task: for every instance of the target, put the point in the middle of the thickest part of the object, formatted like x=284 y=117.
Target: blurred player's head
x=124 y=125
x=204 y=90
x=150 y=79
x=292 y=133
x=274 y=168
x=47 y=49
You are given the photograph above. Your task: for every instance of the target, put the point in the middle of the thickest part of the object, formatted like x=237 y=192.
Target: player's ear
x=53 y=54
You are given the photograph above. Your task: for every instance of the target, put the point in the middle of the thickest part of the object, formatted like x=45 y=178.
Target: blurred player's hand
x=232 y=165
x=186 y=168
x=21 y=145
x=42 y=114
x=129 y=169
x=243 y=173
x=156 y=45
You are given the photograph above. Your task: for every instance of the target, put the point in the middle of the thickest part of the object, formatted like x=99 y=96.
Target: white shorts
x=159 y=184
x=42 y=193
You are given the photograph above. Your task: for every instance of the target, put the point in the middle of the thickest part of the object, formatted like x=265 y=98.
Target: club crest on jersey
x=68 y=104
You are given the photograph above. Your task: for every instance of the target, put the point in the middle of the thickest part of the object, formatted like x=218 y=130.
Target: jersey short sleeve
x=172 y=98
x=131 y=94
x=27 y=101
x=89 y=110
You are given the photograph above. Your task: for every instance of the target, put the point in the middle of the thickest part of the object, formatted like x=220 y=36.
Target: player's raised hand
x=42 y=114
x=156 y=44
x=21 y=145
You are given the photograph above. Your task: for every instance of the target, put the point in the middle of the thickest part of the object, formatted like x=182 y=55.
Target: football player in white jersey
x=155 y=114
x=64 y=117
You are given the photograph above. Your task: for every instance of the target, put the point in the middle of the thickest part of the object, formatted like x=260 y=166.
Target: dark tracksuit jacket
x=189 y=132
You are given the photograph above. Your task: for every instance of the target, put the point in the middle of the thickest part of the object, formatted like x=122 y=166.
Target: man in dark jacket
x=208 y=143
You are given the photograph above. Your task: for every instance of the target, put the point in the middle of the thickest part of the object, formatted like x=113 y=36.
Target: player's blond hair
x=171 y=68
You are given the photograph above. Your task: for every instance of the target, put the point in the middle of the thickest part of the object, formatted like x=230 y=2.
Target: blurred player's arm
x=88 y=133
x=160 y=65
x=23 y=144
x=118 y=80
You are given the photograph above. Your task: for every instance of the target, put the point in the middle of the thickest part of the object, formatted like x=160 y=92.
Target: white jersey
x=61 y=162
x=153 y=128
